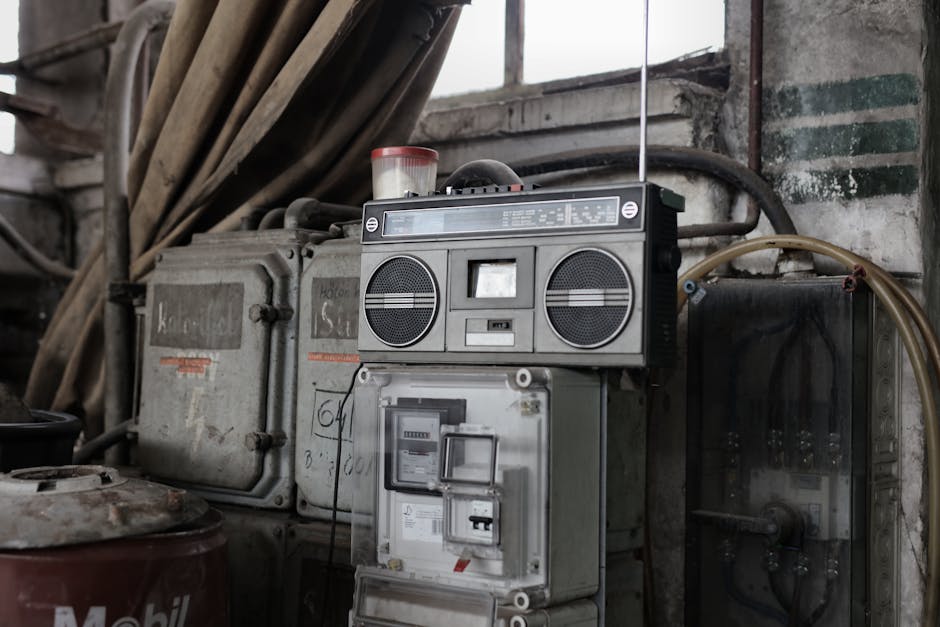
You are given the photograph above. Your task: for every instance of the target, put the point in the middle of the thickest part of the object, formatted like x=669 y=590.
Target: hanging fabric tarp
x=253 y=103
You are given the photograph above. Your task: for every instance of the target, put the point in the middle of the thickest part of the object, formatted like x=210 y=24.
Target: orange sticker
x=187 y=365
x=345 y=358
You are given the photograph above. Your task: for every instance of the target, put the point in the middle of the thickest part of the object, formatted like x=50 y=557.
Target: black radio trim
x=374 y=212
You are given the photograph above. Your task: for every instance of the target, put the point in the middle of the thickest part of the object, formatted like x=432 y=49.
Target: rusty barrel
x=172 y=578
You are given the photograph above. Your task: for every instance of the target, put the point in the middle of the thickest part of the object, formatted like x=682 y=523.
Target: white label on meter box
x=422 y=523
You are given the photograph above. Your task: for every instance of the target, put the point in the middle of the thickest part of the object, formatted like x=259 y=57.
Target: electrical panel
x=218 y=366
x=573 y=277
x=477 y=478
x=327 y=359
x=780 y=393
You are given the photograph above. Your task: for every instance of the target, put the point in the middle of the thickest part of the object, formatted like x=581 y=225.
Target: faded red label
x=187 y=365
x=345 y=358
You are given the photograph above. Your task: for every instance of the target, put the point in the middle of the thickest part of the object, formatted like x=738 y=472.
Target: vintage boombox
x=578 y=276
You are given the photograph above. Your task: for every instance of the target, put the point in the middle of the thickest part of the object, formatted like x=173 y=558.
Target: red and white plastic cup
x=398 y=170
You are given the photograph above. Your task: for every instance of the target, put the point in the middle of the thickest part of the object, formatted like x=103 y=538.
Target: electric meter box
x=218 y=366
x=482 y=478
x=326 y=363
x=571 y=277
x=793 y=456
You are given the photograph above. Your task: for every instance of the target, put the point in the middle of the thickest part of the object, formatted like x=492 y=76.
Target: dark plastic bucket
x=46 y=441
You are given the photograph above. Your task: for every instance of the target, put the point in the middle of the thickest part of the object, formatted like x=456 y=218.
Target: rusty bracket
x=126 y=292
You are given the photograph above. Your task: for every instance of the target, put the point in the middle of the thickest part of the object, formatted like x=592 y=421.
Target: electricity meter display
x=413 y=435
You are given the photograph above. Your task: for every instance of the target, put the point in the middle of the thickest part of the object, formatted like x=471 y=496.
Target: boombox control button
x=668 y=259
x=629 y=210
x=372 y=224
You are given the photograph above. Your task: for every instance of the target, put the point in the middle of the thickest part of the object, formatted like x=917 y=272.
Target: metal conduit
x=118 y=327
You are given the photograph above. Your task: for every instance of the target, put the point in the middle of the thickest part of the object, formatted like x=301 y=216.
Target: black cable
x=823 y=603
x=676 y=158
x=340 y=422
x=834 y=364
x=481 y=173
x=737 y=355
x=776 y=372
x=738 y=595
x=795 y=620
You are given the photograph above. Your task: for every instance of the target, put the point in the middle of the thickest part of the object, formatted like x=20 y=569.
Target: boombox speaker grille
x=401 y=301
x=588 y=298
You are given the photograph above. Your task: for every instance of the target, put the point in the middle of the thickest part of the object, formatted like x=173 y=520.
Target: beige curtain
x=254 y=103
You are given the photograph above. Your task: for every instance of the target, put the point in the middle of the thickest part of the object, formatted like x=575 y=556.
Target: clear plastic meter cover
x=365 y=448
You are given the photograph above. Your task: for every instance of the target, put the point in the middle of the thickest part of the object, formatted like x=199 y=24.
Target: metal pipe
x=310 y=213
x=97 y=445
x=755 y=99
x=118 y=325
x=514 y=44
x=644 y=79
x=85 y=41
x=273 y=219
x=755 y=106
x=32 y=254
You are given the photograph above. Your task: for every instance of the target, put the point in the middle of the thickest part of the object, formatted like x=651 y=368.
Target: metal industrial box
x=481 y=478
x=218 y=371
x=278 y=570
x=327 y=360
x=791 y=494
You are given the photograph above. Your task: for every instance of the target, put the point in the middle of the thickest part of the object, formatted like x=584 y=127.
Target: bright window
x=565 y=38
x=475 y=59
x=9 y=50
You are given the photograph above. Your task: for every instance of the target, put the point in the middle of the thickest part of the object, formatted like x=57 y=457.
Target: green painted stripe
x=860 y=94
x=854 y=183
x=869 y=138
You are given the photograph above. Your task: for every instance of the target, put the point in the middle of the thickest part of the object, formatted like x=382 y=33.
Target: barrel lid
x=64 y=505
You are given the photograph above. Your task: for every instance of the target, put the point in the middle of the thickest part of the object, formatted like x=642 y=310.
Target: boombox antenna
x=643 y=95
